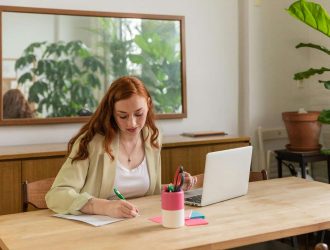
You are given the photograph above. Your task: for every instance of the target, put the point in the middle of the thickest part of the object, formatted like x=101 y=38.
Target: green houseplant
x=63 y=76
x=304 y=128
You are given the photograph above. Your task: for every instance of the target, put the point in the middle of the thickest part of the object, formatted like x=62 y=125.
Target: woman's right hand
x=121 y=209
x=112 y=208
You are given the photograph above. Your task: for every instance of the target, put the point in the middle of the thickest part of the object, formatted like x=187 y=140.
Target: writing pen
x=119 y=195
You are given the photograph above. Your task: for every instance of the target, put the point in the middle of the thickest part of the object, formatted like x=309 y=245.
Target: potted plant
x=63 y=75
x=304 y=127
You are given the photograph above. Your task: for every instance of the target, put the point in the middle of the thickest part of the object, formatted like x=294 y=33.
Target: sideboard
x=39 y=161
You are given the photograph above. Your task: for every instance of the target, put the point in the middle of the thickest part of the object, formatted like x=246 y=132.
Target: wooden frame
x=30 y=121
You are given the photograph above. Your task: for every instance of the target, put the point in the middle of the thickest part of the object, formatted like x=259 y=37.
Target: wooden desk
x=35 y=162
x=272 y=209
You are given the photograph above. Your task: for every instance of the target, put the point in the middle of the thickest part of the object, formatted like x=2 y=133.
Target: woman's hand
x=113 y=208
x=121 y=209
x=189 y=181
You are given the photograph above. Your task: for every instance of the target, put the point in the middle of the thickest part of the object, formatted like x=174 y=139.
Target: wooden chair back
x=258 y=176
x=33 y=193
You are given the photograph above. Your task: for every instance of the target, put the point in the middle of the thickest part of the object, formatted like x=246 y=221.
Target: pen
x=120 y=196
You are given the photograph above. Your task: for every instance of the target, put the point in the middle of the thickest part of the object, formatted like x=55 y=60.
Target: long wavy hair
x=103 y=122
x=15 y=105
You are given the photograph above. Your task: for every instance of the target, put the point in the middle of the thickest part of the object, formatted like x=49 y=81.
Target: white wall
x=211 y=56
x=272 y=62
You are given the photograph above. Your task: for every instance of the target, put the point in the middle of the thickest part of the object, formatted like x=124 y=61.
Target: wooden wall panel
x=10 y=187
x=36 y=169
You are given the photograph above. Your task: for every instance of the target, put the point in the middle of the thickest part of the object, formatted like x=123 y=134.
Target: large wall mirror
x=57 y=64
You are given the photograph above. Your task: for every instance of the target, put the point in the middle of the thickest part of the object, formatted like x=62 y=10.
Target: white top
x=134 y=182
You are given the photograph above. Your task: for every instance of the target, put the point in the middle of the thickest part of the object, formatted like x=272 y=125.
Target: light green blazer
x=81 y=180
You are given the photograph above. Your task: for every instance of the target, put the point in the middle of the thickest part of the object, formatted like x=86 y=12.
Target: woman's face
x=130 y=114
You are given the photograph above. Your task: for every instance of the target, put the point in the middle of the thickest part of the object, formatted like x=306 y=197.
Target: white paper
x=95 y=220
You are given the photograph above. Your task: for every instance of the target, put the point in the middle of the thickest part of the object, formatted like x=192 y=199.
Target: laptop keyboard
x=195 y=199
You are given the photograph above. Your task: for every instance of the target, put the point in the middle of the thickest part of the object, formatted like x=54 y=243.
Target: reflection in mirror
x=61 y=64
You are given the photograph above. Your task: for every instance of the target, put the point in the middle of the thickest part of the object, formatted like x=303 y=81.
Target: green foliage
x=112 y=47
x=314 y=15
x=63 y=76
x=160 y=62
x=324 y=117
x=148 y=50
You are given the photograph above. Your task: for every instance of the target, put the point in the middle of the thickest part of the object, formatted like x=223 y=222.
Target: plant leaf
x=306 y=74
x=325 y=83
x=25 y=77
x=314 y=46
x=324 y=116
x=312 y=14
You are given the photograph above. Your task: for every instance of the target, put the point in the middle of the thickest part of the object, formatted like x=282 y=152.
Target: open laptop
x=226 y=176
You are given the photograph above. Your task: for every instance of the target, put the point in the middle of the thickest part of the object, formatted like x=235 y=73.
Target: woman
x=119 y=147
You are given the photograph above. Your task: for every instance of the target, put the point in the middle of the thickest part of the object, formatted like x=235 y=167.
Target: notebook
x=226 y=176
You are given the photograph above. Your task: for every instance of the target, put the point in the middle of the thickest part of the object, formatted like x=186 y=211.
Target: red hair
x=103 y=121
x=15 y=105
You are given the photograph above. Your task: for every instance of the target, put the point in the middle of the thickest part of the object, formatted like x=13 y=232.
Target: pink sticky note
x=196 y=222
x=157 y=219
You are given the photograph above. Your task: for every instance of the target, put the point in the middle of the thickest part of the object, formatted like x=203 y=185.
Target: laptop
x=226 y=176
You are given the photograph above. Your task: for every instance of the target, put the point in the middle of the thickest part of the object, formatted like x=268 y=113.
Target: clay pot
x=303 y=131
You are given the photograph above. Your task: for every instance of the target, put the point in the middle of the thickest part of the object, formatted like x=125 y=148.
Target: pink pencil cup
x=172 y=209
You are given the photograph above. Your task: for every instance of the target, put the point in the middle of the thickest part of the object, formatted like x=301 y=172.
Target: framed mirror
x=57 y=64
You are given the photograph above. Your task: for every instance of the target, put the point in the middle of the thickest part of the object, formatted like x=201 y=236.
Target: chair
x=272 y=136
x=33 y=193
x=258 y=176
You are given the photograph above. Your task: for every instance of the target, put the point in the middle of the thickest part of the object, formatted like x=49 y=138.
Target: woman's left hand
x=189 y=181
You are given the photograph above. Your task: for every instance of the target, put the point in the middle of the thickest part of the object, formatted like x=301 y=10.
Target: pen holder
x=172 y=209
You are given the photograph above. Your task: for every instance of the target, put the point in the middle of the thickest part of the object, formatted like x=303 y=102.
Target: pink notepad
x=157 y=219
x=188 y=222
x=196 y=222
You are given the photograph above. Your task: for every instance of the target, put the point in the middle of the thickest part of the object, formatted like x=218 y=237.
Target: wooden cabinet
x=10 y=187
x=37 y=169
x=35 y=162
x=14 y=172
x=191 y=152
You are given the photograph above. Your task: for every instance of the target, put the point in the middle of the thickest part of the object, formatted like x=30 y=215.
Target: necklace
x=132 y=151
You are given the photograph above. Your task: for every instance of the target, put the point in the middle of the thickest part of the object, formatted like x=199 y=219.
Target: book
x=203 y=133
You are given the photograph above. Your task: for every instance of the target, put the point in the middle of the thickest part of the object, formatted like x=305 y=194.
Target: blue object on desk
x=196 y=214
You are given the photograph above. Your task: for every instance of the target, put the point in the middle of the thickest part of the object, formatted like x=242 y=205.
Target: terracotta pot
x=303 y=130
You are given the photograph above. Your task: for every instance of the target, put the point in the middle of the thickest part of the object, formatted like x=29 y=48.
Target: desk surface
x=272 y=209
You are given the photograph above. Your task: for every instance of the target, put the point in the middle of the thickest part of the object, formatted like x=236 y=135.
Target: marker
x=119 y=195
